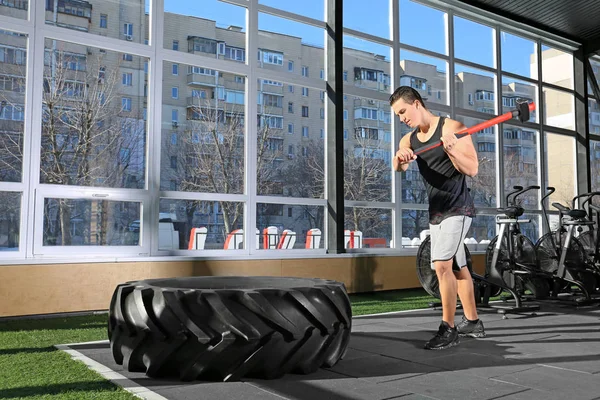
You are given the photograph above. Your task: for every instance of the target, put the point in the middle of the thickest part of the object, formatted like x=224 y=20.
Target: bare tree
x=366 y=178
x=208 y=157
x=414 y=192
x=89 y=136
x=12 y=109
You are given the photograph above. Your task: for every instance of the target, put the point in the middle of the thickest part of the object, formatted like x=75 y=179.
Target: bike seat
x=511 y=212
x=576 y=214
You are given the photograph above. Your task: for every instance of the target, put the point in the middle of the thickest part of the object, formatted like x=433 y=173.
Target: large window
x=217 y=140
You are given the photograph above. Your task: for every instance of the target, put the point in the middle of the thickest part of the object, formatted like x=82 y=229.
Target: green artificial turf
x=31 y=368
x=388 y=301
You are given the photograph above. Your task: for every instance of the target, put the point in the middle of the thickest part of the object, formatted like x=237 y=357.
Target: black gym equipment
x=226 y=328
x=504 y=270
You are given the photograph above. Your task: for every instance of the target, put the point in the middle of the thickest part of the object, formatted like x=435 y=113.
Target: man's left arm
x=461 y=151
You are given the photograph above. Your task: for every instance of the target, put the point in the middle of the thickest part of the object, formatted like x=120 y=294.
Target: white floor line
x=394 y=312
x=114 y=377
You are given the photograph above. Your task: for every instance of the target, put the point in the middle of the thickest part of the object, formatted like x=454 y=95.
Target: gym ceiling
x=577 y=20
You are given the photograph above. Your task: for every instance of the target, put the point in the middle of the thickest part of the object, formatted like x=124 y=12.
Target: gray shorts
x=447 y=240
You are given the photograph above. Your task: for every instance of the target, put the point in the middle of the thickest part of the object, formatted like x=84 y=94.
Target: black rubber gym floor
x=553 y=355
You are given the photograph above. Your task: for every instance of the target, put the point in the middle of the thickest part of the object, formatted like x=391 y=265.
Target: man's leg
x=448 y=290
x=466 y=293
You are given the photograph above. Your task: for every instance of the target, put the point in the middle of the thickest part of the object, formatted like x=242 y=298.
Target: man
x=444 y=170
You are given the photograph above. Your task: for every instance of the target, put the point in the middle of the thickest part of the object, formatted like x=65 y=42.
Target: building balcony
x=204 y=80
x=270 y=110
x=273 y=89
x=374 y=85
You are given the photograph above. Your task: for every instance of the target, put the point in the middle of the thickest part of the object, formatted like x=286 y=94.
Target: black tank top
x=446 y=186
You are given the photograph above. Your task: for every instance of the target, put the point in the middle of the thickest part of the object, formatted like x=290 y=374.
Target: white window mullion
x=150 y=213
x=251 y=131
x=35 y=91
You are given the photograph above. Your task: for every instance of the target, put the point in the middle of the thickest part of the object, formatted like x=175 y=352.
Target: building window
x=305 y=71
x=305 y=131
x=175 y=69
x=270 y=57
x=290 y=66
x=128 y=31
x=175 y=92
x=304 y=91
x=103 y=21
x=127 y=79
x=290 y=107
x=176 y=45
x=126 y=103
x=305 y=111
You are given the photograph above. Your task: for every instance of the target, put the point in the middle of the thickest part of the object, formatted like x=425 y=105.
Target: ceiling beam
x=592 y=46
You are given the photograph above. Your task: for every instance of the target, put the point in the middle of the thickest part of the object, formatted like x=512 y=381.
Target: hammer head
x=523 y=109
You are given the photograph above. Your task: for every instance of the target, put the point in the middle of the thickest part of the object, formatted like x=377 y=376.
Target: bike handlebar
x=520 y=192
x=588 y=195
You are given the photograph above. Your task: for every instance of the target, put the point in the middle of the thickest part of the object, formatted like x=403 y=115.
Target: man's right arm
x=404 y=156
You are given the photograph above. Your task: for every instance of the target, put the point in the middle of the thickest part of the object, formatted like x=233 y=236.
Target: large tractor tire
x=226 y=328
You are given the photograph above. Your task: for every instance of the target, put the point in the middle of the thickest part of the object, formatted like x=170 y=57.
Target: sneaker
x=470 y=328
x=444 y=338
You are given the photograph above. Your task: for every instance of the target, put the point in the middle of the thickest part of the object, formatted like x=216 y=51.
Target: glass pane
x=14 y=8
x=559 y=109
x=367 y=64
x=291 y=136
x=519 y=55
x=82 y=222
x=368 y=151
x=202 y=131
x=531 y=229
x=561 y=168
x=210 y=28
x=290 y=227
x=10 y=220
x=13 y=64
x=513 y=90
x=475 y=89
x=483 y=185
x=481 y=232
x=93 y=122
x=594 y=113
x=596 y=69
x=289 y=46
x=520 y=163
x=557 y=67
x=426 y=74
x=373 y=18
x=411 y=29
x=415 y=224
x=474 y=42
x=121 y=19
x=200 y=225
x=309 y=8
x=595 y=164
x=367 y=227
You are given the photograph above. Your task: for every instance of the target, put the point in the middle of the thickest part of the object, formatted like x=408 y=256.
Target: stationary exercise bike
x=562 y=256
x=501 y=264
